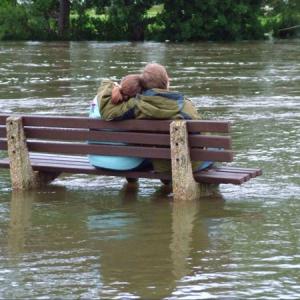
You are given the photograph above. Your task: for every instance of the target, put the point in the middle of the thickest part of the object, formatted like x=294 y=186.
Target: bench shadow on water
x=146 y=259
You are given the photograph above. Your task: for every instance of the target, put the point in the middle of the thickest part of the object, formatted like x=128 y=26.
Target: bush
x=13 y=22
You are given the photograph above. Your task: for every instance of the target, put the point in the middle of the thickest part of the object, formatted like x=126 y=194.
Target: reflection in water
x=19 y=225
x=183 y=218
x=20 y=220
x=129 y=192
x=134 y=244
x=127 y=239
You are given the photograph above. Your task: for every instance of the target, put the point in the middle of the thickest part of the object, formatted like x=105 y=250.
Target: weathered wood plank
x=3 y=144
x=87 y=169
x=112 y=150
x=195 y=140
x=3 y=118
x=210 y=154
x=253 y=171
x=83 y=160
x=208 y=126
x=128 y=125
x=131 y=151
x=2 y=131
x=210 y=141
x=212 y=176
x=97 y=136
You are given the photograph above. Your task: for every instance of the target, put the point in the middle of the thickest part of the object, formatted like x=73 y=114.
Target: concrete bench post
x=185 y=187
x=22 y=175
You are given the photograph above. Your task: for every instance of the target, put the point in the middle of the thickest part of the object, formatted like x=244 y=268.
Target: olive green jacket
x=152 y=104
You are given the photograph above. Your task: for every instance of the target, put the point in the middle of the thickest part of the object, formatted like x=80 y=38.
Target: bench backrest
x=139 y=138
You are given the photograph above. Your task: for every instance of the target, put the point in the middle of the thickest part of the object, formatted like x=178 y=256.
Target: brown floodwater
x=88 y=237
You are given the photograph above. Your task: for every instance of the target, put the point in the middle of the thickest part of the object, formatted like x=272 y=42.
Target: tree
x=136 y=20
x=63 y=18
x=13 y=21
x=211 y=19
x=127 y=18
x=282 y=17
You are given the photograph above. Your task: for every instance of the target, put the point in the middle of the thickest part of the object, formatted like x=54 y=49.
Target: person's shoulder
x=169 y=91
x=188 y=99
x=160 y=92
x=105 y=84
x=106 y=81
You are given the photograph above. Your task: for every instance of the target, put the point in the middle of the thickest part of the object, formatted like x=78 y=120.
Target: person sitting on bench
x=155 y=102
x=129 y=87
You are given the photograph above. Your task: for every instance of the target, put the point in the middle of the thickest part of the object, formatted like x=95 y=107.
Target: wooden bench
x=42 y=147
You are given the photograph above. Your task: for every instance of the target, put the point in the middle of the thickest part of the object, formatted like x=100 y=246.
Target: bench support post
x=22 y=175
x=184 y=185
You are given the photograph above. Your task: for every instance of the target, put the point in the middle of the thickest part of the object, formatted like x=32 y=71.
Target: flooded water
x=88 y=237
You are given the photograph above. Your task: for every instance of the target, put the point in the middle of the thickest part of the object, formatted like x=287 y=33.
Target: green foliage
x=29 y=20
x=13 y=21
x=126 y=19
x=88 y=26
x=281 y=14
x=177 y=20
x=42 y=15
x=211 y=20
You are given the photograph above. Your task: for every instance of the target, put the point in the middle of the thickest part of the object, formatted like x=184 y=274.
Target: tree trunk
x=63 y=18
x=137 y=32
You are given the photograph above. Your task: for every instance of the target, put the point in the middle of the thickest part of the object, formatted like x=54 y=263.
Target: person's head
x=130 y=86
x=155 y=76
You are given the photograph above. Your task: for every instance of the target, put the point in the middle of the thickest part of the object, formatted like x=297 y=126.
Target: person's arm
x=108 y=110
x=190 y=110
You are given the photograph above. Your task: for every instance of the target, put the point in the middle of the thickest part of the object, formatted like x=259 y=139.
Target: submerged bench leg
x=184 y=185
x=22 y=175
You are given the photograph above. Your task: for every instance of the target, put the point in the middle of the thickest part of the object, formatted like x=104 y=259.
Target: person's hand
x=116 y=95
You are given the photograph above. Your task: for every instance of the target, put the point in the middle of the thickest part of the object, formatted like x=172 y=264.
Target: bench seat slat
x=69 y=164
x=256 y=171
x=43 y=157
x=128 y=125
x=86 y=168
x=59 y=160
x=58 y=157
x=79 y=160
x=213 y=176
x=252 y=172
